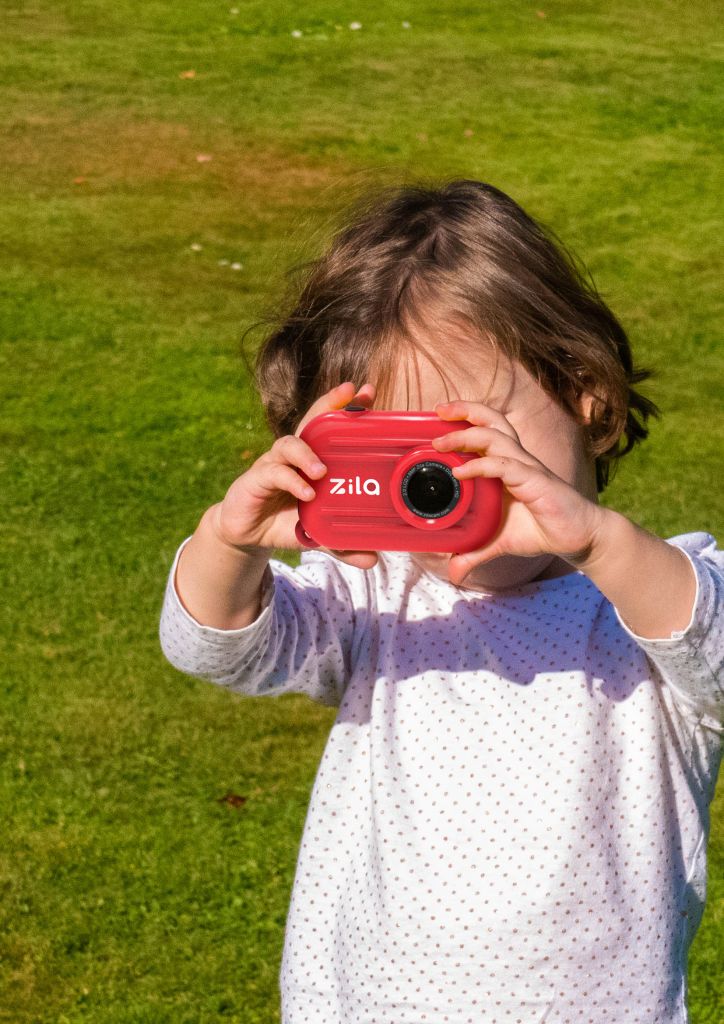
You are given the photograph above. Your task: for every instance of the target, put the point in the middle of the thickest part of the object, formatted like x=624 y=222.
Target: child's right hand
x=260 y=508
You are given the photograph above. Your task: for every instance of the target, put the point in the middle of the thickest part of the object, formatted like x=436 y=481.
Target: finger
x=337 y=398
x=366 y=395
x=334 y=399
x=484 y=439
x=477 y=414
x=277 y=476
x=520 y=478
x=291 y=450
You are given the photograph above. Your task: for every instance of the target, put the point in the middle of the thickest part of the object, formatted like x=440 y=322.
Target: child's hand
x=541 y=512
x=260 y=508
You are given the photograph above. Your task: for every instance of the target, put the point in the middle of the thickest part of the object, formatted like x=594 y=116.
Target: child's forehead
x=476 y=372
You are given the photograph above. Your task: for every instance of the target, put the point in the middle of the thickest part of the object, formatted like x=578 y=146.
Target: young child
x=509 y=822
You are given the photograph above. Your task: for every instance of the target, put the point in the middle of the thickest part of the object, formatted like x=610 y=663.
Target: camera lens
x=429 y=489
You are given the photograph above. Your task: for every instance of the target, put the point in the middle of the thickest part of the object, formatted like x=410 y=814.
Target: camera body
x=387 y=489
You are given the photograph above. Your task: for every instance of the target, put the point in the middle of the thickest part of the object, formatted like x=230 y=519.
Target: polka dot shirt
x=510 y=818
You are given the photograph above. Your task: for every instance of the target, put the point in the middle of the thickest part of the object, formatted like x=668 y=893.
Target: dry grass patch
x=53 y=153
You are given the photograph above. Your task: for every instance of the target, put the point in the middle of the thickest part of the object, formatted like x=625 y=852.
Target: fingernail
x=317 y=467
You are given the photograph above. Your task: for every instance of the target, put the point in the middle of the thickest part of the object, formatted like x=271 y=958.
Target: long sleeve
x=691 y=660
x=304 y=639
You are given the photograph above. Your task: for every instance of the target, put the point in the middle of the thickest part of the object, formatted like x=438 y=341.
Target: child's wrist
x=211 y=520
x=603 y=526
x=615 y=544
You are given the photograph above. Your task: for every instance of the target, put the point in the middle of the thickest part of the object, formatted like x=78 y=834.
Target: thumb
x=461 y=564
x=359 y=559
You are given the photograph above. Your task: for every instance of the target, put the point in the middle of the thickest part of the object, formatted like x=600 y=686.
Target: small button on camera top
x=354 y=408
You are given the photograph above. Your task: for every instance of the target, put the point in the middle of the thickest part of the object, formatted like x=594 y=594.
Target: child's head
x=462 y=277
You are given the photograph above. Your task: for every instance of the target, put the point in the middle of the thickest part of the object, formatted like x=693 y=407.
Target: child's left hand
x=541 y=513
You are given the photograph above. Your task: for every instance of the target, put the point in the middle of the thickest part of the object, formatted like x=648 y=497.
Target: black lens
x=429 y=489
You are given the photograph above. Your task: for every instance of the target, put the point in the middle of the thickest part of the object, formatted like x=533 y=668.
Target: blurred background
x=164 y=165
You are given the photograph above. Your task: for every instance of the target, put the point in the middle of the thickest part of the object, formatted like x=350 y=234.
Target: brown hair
x=469 y=250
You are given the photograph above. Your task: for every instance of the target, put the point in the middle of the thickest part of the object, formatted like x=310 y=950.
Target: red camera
x=387 y=489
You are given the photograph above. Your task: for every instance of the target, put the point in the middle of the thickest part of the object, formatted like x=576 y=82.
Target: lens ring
x=430 y=490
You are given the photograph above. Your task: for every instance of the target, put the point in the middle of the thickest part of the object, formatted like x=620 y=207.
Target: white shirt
x=510 y=818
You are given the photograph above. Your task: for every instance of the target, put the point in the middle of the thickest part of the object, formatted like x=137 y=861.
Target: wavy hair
x=468 y=251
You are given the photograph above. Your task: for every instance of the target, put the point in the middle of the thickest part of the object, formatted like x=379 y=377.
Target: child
x=510 y=818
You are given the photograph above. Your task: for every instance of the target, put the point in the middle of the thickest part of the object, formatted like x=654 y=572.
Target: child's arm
x=630 y=566
x=651 y=584
x=304 y=638
x=233 y=616
x=218 y=584
x=674 y=610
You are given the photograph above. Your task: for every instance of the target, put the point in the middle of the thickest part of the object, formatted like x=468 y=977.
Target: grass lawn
x=165 y=164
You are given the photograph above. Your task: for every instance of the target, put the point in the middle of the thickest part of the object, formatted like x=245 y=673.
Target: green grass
x=131 y=894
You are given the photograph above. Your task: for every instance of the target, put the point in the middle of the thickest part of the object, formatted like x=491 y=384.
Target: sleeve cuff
x=690 y=636
x=212 y=633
